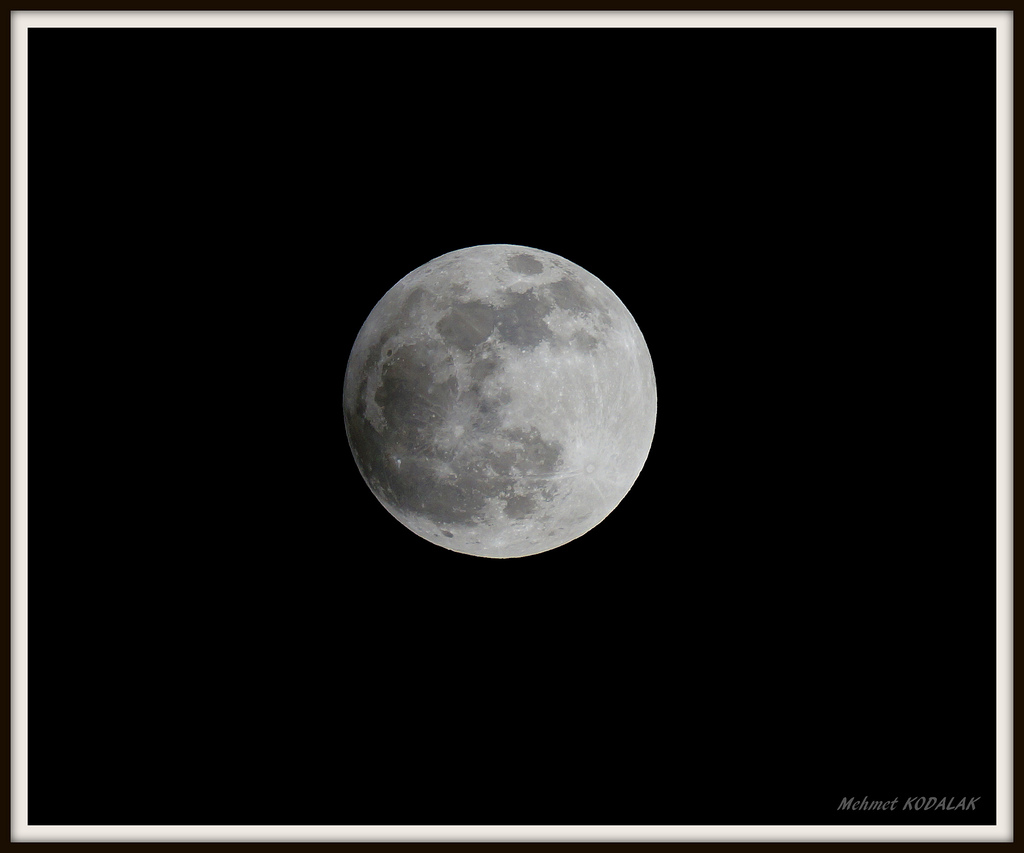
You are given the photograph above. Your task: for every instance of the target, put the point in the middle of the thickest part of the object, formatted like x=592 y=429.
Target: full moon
x=500 y=401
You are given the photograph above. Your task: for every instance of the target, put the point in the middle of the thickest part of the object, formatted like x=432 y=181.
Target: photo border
x=22 y=20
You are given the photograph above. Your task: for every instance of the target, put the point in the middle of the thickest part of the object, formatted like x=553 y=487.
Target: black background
x=794 y=604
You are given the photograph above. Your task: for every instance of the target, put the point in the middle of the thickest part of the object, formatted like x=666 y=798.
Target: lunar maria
x=500 y=401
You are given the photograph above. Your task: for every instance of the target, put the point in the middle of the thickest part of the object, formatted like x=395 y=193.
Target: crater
x=525 y=264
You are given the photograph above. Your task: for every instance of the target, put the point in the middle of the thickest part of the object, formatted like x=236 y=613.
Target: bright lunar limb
x=500 y=401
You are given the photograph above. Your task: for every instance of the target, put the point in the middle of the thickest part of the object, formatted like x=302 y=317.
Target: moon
x=500 y=401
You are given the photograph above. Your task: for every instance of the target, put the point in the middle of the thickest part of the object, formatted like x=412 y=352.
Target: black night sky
x=792 y=606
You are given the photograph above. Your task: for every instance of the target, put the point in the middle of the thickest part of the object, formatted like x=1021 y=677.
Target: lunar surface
x=500 y=401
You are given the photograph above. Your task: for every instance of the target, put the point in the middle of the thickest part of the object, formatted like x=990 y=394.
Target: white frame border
x=20 y=24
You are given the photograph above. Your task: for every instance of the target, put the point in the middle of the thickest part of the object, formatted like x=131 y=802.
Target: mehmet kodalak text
x=917 y=804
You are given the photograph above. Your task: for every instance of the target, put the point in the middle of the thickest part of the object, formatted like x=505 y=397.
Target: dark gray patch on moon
x=458 y=500
x=521 y=320
x=520 y=506
x=414 y=304
x=540 y=455
x=585 y=341
x=484 y=366
x=525 y=264
x=413 y=403
x=409 y=462
x=467 y=325
x=499 y=462
x=368 y=444
x=570 y=295
x=487 y=409
x=416 y=485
